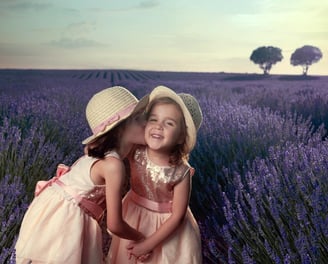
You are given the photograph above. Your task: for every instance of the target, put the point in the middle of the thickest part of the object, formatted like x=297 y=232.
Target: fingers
x=129 y=247
x=130 y=255
x=144 y=257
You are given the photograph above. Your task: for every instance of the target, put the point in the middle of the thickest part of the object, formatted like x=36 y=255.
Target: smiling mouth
x=156 y=136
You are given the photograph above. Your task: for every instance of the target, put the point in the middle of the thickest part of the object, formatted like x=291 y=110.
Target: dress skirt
x=56 y=230
x=181 y=247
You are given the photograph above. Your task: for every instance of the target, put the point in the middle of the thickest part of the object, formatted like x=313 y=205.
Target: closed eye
x=170 y=123
x=152 y=119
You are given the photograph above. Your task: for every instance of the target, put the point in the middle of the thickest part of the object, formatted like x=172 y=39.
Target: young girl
x=62 y=223
x=157 y=204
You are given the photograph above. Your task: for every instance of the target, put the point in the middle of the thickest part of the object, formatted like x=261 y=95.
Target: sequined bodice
x=97 y=195
x=152 y=181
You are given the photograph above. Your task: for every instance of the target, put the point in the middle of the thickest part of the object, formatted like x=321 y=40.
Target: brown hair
x=106 y=142
x=178 y=153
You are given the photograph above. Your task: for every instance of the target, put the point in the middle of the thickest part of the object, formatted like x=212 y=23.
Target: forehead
x=165 y=105
x=170 y=110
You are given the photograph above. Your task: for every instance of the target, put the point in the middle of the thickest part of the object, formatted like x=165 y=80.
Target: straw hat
x=194 y=108
x=190 y=108
x=107 y=108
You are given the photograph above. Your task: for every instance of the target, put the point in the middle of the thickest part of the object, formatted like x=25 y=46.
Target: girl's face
x=164 y=127
x=135 y=129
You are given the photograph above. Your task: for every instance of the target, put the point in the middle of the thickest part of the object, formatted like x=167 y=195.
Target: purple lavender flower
x=260 y=143
x=12 y=212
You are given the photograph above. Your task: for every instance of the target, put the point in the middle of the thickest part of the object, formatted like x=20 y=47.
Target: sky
x=160 y=35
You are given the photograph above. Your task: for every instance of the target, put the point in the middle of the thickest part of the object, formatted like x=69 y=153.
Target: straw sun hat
x=107 y=108
x=190 y=109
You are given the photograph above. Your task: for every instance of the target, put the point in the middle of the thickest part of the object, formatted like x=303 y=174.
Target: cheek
x=137 y=134
x=134 y=129
x=139 y=128
x=147 y=127
x=178 y=135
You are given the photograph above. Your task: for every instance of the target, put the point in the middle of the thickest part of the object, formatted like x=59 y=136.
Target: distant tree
x=305 y=56
x=266 y=57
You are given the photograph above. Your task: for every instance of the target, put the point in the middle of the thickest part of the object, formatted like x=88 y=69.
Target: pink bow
x=41 y=185
x=101 y=127
x=117 y=116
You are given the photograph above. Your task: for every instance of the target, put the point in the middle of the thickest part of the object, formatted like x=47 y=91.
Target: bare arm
x=179 y=207
x=113 y=172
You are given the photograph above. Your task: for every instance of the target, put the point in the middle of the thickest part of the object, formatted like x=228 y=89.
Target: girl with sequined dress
x=61 y=224
x=157 y=203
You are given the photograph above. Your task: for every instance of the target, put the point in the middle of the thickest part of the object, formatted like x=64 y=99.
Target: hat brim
x=142 y=104
x=162 y=91
x=92 y=138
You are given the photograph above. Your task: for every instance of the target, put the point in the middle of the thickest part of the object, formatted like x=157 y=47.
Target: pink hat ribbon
x=110 y=120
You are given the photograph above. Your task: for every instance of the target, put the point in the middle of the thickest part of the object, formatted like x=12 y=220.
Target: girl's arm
x=179 y=207
x=114 y=175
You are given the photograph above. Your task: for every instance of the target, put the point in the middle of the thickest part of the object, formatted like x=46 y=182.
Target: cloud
x=9 y=6
x=142 y=5
x=148 y=4
x=79 y=28
x=22 y=6
x=14 y=49
x=69 y=43
x=22 y=50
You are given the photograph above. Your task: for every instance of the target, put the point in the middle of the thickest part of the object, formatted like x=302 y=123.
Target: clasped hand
x=139 y=251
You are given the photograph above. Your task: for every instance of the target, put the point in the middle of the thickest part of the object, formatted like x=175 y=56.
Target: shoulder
x=108 y=166
x=112 y=154
x=185 y=169
x=111 y=162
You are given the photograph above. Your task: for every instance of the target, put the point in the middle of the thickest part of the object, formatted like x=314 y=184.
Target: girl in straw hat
x=157 y=203
x=62 y=223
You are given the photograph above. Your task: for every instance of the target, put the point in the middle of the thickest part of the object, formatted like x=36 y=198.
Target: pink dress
x=147 y=206
x=60 y=226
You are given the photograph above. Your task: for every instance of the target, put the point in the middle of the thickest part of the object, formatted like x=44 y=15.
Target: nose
x=159 y=126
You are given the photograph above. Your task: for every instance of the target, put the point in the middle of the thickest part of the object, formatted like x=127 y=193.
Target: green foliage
x=30 y=156
x=305 y=56
x=266 y=57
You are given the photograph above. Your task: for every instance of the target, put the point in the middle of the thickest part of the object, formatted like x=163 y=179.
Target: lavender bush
x=16 y=158
x=13 y=204
x=240 y=135
x=261 y=139
x=279 y=212
x=308 y=99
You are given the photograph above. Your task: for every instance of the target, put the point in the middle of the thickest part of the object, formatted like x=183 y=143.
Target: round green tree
x=305 y=56
x=265 y=57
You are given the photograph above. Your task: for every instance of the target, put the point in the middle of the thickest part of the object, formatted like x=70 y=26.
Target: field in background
x=260 y=192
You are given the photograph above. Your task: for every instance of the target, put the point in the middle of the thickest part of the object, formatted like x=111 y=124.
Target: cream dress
x=56 y=229
x=152 y=187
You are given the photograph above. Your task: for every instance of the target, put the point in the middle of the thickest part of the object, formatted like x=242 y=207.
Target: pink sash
x=163 y=207
x=89 y=207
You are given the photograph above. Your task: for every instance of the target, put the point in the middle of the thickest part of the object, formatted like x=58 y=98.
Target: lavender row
x=245 y=124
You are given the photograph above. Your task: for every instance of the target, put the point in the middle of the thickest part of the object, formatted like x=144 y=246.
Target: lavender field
x=260 y=192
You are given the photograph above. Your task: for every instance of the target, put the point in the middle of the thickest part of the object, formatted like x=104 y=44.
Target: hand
x=144 y=257
x=141 y=258
x=139 y=250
